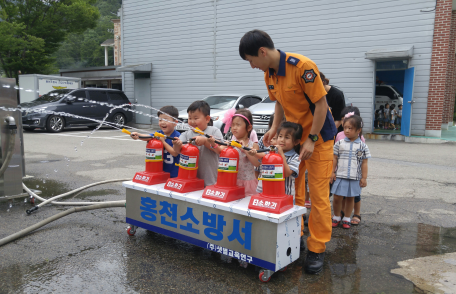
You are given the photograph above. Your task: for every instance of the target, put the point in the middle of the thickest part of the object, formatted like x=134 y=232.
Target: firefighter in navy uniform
x=293 y=81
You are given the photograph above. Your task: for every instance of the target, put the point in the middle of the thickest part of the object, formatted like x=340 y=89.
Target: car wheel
x=27 y=129
x=55 y=124
x=119 y=119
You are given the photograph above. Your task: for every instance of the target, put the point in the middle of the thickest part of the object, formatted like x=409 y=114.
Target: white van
x=387 y=94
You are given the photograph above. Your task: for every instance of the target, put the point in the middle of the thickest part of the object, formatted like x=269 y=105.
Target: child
x=393 y=116
x=346 y=113
x=241 y=127
x=199 y=117
x=288 y=139
x=167 y=123
x=399 y=117
x=386 y=117
x=380 y=113
x=350 y=160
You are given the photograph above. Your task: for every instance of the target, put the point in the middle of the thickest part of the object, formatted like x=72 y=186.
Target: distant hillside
x=84 y=50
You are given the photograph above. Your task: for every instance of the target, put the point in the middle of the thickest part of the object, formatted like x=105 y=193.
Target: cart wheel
x=283 y=269
x=32 y=201
x=264 y=278
x=131 y=232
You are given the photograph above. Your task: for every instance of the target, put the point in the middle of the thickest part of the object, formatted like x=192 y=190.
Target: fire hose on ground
x=51 y=200
x=32 y=228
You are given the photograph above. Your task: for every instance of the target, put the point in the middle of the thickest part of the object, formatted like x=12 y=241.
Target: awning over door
x=145 y=67
x=392 y=52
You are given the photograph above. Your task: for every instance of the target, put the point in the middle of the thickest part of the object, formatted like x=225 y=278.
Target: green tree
x=84 y=50
x=36 y=28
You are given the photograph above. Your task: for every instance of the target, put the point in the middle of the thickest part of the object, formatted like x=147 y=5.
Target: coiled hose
x=51 y=200
x=60 y=215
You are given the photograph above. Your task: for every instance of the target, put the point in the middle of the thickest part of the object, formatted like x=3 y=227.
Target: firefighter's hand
x=134 y=136
x=268 y=136
x=333 y=177
x=200 y=140
x=306 y=149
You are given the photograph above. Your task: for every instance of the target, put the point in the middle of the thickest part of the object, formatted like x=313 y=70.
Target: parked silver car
x=262 y=112
x=219 y=105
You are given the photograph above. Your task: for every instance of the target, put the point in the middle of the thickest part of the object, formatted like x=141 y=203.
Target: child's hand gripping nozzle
x=226 y=190
x=186 y=180
x=273 y=198
x=154 y=173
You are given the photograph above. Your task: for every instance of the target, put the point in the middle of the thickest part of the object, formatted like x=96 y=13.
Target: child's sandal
x=356 y=219
x=335 y=223
x=346 y=225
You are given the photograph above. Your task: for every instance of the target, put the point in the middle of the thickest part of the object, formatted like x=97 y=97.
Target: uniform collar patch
x=293 y=60
x=309 y=76
x=281 y=71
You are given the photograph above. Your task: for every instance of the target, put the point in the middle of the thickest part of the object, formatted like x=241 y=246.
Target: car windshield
x=267 y=100
x=221 y=102
x=400 y=93
x=53 y=96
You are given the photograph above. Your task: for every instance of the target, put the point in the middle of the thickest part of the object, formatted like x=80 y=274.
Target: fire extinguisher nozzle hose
x=221 y=143
x=263 y=150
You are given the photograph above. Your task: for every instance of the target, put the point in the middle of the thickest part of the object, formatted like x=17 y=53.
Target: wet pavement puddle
x=95 y=255
x=357 y=261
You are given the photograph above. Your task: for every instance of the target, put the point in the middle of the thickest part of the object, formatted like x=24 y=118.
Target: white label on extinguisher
x=226 y=163
x=154 y=154
x=187 y=161
x=272 y=171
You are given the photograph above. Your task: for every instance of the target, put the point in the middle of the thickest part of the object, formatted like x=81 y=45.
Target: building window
x=392 y=65
x=142 y=75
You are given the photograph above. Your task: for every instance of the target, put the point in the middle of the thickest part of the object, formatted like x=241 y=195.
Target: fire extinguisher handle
x=263 y=150
x=145 y=137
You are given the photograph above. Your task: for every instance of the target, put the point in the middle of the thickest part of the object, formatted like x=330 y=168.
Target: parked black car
x=76 y=102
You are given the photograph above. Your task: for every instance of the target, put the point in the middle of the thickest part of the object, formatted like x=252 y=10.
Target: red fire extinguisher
x=186 y=180
x=273 y=198
x=154 y=173
x=226 y=190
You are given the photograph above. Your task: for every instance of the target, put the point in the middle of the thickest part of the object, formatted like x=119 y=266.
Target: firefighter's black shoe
x=314 y=262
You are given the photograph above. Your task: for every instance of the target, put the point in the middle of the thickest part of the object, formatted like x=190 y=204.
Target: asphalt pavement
x=408 y=211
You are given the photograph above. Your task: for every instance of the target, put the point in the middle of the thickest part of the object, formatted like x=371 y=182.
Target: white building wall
x=180 y=39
